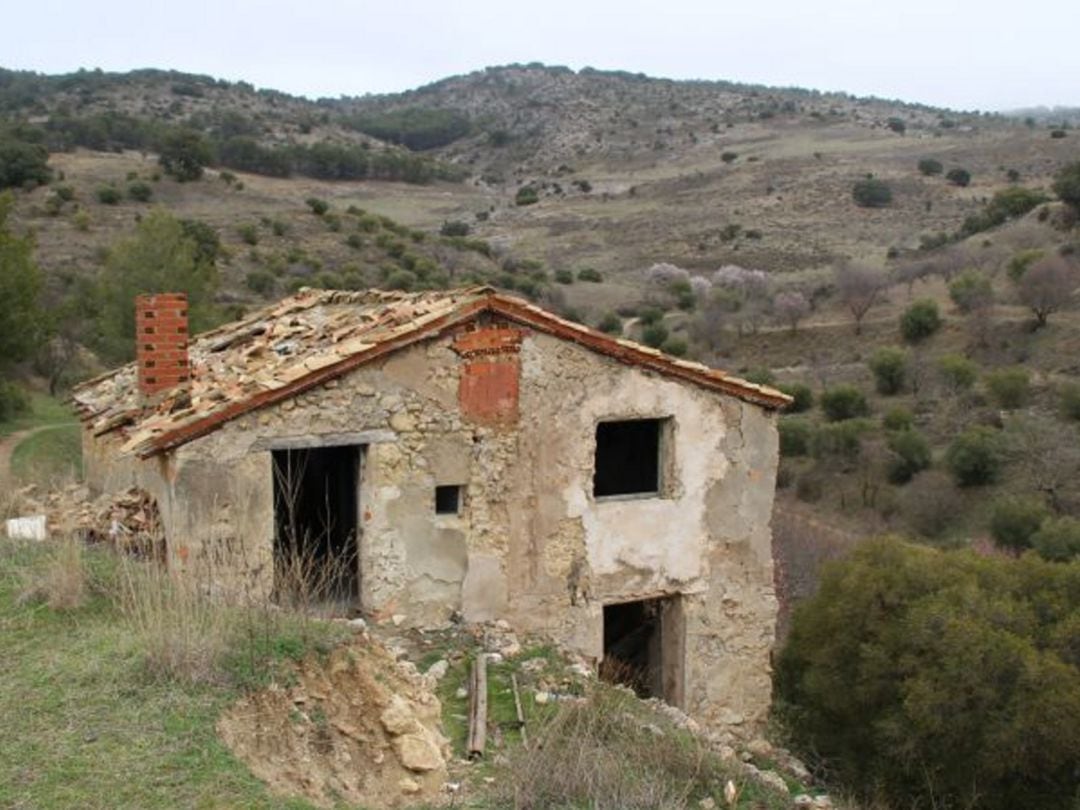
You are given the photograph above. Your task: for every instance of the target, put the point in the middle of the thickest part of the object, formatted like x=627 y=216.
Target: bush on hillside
x=1010 y=387
x=23 y=159
x=140 y=192
x=1015 y=520
x=844 y=402
x=1070 y=401
x=840 y=440
x=920 y=321
x=959 y=177
x=526 y=195
x=802 y=397
x=109 y=195
x=930 y=167
x=910 y=455
x=455 y=227
x=957 y=372
x=897 y=418
x=1058 y=540
x=654 y=335
x=318 y=206
x=976 y=457
x=1067 y=184
x=795 y=435
x=610 y=324
x=872 y=193
x=932 y=679
x=889 y=366
x=13 y=401
x=590 y=274
x=971 y=291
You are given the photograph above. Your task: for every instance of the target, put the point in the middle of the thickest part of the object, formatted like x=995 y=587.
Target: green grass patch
x=44 y=410
x=88 y=726
x=54 y=453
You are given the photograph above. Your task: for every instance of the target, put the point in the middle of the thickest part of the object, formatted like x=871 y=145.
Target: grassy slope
x=86 y=728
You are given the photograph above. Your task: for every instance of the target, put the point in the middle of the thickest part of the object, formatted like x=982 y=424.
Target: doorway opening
x=644 y=647
x=316 y=504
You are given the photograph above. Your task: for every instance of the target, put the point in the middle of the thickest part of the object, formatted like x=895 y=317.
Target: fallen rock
x=398 y=718
x=418 y=752
x=438 y=670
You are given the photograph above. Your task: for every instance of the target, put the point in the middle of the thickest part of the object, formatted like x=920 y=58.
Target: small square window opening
x=448 y=500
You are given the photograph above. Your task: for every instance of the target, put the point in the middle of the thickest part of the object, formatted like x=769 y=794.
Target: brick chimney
x=161 y=342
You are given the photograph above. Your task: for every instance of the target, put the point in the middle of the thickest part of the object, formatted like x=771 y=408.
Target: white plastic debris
x=26 y=528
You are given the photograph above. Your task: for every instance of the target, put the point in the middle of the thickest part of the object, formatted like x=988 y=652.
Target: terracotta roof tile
x=316 y=335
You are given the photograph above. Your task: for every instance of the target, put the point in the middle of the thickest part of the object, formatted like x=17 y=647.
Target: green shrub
x=920 y=321
x=249 y=234
x=976 y=457
x=318 y=206
x=401 y=280
x=959 y=177
x=923 y=677
x=802 y=397
x=355 y=241
x=795 y=435
x=930 y=167
x=1058 y=539
x=109 y=195
x=1015 y=519
x=260 y=281
x=760 y=376
x=844 y=402
x=729 y=157
x=1010 y=387
x=898 y=418
x=910 y=455
x=1067 y=184
x=872 y=193
x=590 y=274
x=140 y=192
x=957 y=372
x=971 y=291
x=611 y=324
x=526 y=195
x=1070 y=401
x=842 y=440
x=654 y=335
x=889 y=366
x=1018 y=265
x=564 y=276
x=651 y=315
x=13 y=401
x=455 y=227
x=675 y=346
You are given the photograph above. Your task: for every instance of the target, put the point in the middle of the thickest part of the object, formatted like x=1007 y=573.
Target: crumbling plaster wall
x=532 y=545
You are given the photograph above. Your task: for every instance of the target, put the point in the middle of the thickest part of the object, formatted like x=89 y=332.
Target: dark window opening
x=315 y=514
x=627 y=458
x=447 y=500
x=644 y=647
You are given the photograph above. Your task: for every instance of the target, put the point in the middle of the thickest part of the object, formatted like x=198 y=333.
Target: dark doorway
x=315 y=512
x=644 y=647
x=627 y=458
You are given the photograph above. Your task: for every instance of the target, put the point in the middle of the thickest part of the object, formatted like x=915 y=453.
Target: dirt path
x=7 y=449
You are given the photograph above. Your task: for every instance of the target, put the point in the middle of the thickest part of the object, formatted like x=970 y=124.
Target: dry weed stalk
x=61 y=583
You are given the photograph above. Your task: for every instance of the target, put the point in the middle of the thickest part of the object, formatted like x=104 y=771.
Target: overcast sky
x=965 y=54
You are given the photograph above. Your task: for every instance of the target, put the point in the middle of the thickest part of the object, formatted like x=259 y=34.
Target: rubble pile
x=128 y=520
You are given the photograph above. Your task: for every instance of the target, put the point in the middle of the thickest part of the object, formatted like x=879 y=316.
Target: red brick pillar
x=161 y=342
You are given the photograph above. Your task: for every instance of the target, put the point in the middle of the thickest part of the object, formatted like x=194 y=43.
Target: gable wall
x=532 y=545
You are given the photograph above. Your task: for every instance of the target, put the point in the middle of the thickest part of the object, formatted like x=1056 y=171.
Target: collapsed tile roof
x=314 y=336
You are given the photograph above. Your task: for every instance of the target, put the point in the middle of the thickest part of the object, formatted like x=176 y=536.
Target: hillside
x=567 y=187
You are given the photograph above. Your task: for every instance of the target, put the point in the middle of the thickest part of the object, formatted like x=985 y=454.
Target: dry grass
x=182 y=632
x=61 y=582
x=607 y=752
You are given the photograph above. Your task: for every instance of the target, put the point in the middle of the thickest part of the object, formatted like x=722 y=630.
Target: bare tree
x=860 y=287
x=790 y=307
x=1046 y=287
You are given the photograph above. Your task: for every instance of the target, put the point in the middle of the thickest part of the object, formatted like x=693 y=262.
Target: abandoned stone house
x=464 y=451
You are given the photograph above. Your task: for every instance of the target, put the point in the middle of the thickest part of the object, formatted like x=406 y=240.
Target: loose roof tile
x=317 y=335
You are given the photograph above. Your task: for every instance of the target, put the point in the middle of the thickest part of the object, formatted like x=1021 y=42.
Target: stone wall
x=531 y=545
